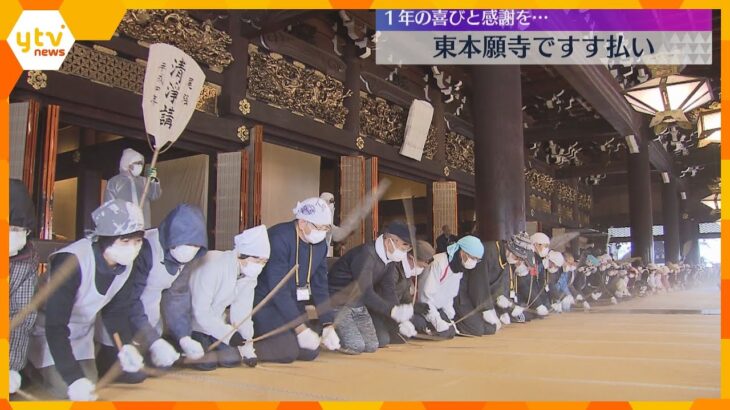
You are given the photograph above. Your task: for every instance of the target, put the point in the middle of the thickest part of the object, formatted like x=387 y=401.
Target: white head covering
x=314 y=210
x=129 y=157
x=556 y=258
x=539 y=238
x=330 y=199
x=253 y=242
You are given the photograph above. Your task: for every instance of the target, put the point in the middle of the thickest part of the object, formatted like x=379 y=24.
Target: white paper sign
x=417 y=125
x=172 y=85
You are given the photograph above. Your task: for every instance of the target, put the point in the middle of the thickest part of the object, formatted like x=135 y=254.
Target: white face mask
x=17 y=242
x=397 y=255
x=544 y=252
x=123 y=254
x=470 y=263
x=315 y=236
x=511 y=259
x=251 y=269
x=552 y=270
x=136 y=169
x=184 y=253
x=522 y=270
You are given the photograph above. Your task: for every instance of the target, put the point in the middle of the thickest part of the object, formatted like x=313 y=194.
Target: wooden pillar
x=251 y=206
x=352 y=83
x=689 y=231
x=439 y=123
x=670 y=218
x=499 y=178
x=640 y=211
x=47 y=178
x=88 y=192
x=235 y=77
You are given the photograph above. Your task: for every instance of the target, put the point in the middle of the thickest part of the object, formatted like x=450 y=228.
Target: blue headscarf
x=469 y=244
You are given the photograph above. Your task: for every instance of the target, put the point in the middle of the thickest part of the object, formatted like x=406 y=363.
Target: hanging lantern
x=713 y=201
x=708 y=126
x=667 y=97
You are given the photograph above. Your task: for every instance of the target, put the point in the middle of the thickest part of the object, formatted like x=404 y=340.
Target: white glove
x=449 y=312
x=557 y=307
x=247 y=351
x=542 y=310
x=130 y=359
x=490 y=316
x=586 y=306
x=503 y=302
x=82 y=390
x=308 y=339
x=193 y=350
x=504 y=318
x=569 y=300
x=330 y=340
x=517 y=310
x=595 y=295
x=402 y=313
x=441 y=325
x=407 y=329
x=566 y=305
x=163 y=355
x=15 y=380
x=579 y=298
x=613 y=300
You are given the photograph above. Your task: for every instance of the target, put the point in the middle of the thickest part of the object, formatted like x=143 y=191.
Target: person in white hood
x=129 y=184
x=228 y=278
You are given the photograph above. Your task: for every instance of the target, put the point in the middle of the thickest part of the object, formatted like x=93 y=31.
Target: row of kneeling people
x=160 y=298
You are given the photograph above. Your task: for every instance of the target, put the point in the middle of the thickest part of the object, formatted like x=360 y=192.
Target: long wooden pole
x=258 y=307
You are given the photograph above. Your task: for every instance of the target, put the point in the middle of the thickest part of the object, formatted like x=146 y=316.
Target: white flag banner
x=172 y=85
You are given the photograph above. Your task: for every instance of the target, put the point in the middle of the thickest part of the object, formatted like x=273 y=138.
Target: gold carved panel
x=117 y=72
x=296 y=87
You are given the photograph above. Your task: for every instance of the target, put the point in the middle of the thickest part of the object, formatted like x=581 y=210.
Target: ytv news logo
x=40 y=40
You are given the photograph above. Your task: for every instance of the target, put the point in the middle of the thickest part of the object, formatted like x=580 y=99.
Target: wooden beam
x=582 y=133
x=596 y=84
x=104 y=158
x=258 y=22
x=98 y=103
x=591 y=169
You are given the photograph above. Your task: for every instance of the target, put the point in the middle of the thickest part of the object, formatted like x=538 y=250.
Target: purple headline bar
x=544 y=20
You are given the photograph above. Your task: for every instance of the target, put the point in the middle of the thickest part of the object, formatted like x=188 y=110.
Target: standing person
x=223 y=279
x=128 y=185
x=404 y=275
x=441 y=285
x=445 y=239
x=62 y=346
x=365 y=266
x=23 y=276
x=302 y=242
x=158 y=291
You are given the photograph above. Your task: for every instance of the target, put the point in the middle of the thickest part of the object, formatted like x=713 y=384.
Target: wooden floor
x=655 y=348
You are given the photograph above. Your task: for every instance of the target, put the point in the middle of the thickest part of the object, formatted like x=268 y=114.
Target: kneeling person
x=223 y=279
x=62 y=346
